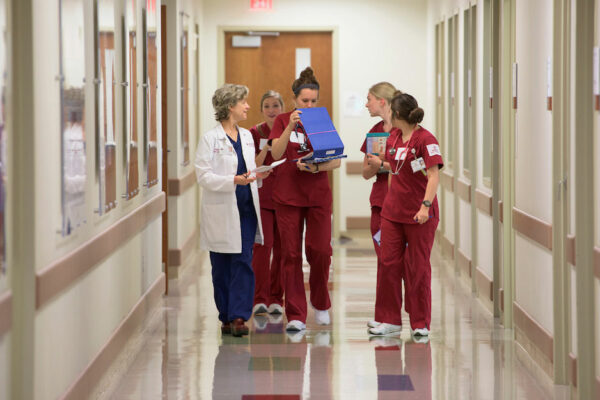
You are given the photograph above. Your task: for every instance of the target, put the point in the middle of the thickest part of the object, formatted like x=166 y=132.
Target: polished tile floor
x=182 y=354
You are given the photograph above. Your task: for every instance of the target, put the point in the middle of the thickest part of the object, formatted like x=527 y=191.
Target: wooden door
x=272 y=66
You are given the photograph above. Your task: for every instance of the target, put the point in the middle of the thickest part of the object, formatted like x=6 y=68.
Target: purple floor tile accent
x=394 y=382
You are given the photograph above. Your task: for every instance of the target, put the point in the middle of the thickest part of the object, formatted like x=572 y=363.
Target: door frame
x=335 y=103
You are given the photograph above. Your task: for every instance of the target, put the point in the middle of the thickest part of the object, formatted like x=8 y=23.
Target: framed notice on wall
x=150 y=93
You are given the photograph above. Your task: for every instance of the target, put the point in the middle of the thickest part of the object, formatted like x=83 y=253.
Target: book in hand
x=322 y=135
x=376 y=142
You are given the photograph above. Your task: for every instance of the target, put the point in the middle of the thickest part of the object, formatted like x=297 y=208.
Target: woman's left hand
x=422 y=216
x=263 y=175
x=306 y=167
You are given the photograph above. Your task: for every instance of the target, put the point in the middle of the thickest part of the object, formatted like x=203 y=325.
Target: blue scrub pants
x=233 y=277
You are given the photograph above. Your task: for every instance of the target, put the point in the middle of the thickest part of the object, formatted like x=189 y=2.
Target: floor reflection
x=181 y=353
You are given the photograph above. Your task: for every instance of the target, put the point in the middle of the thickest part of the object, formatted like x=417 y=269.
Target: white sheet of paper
x=262 y=143
x=377 y=237
x=265 y=168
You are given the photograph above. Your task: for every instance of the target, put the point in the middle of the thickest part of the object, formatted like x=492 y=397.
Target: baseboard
x=358 y=222
x=538 y=342
x=5 y=312
x=485 y=285
x=464 y=262
x=95 y=370
x=178 y=256
x=447 y=247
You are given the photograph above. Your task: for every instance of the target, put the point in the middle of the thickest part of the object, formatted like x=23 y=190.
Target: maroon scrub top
x=380 y=186
x=265 y=193
x=293 y=187
x=407 y=189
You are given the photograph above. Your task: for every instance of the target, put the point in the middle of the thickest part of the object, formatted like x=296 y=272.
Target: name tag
x=297 y=137
x=262 y=143
x=418 y=164
x=401 y=154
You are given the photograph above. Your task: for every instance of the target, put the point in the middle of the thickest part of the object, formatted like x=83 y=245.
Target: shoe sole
x=261 y=310
x=275 y=312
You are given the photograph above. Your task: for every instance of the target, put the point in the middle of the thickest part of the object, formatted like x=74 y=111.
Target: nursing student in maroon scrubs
x=378 y=103
x=268 y=291
x=409 y=218
x=301 y=194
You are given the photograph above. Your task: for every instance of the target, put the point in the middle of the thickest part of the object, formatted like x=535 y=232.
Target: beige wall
x=5 y=366
x=74 y=326
x=389 y=33
x=183 y=209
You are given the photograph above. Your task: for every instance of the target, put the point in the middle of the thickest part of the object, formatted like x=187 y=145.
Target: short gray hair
x=226 y=97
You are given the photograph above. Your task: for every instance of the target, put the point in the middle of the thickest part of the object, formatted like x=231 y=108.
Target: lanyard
x=406 y=150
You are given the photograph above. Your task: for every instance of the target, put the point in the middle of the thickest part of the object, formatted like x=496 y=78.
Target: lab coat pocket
x=219 y=224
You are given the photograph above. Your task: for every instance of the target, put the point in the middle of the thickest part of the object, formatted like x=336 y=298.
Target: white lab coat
x=216 y=164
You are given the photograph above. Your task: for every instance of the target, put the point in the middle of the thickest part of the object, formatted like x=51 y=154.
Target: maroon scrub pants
x=290 y=221
x=267 y=272
x=410 y=262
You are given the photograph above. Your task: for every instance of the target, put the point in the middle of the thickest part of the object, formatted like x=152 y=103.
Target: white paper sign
x=515 y=77
x=469 y=84
x=549 y=73
x=596 y=71
x=302 y=59
x=491 y=82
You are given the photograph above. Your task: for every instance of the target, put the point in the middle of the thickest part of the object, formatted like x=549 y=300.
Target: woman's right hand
x=244 y=179
x=294 y=119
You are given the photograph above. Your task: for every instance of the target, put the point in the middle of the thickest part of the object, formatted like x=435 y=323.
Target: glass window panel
x=105 y=80
x=151 y=94
x=131 y=128
x=3 y=134
x=185 y=88
x=487 y=111
x=72 y=96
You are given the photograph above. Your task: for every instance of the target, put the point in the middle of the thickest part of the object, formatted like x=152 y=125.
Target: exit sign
x=261 y=4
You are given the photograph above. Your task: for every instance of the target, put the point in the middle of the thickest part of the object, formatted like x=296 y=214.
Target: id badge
x=401 y=154
x=297 y=137
x=262 y=143
x=418 y=164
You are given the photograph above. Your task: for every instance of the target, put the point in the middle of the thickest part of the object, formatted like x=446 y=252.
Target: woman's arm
x=280 y=144
x=260 y=157
x=325 y=166
x=433 y=180
x=372 y=165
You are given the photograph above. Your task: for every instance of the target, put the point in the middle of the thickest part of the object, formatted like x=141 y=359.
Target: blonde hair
x=383 y=90
x=271 y=93
x=227 y=96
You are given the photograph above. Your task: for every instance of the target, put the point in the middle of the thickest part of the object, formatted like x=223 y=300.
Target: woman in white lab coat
x=229 y=226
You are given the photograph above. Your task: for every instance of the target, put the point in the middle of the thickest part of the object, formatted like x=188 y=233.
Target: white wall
x=390 y=41
x=73 y=326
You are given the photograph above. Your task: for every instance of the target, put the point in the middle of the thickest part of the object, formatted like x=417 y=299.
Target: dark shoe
x=226 y=329
x=238 y=327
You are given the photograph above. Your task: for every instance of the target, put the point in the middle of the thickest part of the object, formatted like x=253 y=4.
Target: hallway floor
x=181 y=354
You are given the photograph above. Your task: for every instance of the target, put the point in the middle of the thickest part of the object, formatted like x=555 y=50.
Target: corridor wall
x=531 y=149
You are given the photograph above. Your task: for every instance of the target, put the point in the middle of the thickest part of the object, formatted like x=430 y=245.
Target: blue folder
x=322 y=135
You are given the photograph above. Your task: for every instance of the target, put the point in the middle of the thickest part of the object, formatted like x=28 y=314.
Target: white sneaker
x=421 y=332
x=420 y=339
x=275 y=309
x=322 y=317
x=295 y=336
x=322 y=338
x=260 y=308
x=385 y=329
x=275 y=318
x=295 y=326
x=373 y=324
x=260 y=322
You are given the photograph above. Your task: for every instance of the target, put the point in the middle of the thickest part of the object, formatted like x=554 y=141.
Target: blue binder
x=322 y=135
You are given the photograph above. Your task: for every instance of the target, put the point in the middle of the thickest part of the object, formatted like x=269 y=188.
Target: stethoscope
x=393 y=151
x=303 y=146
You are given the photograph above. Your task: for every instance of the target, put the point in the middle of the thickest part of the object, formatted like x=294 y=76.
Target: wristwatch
x=426 y=203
